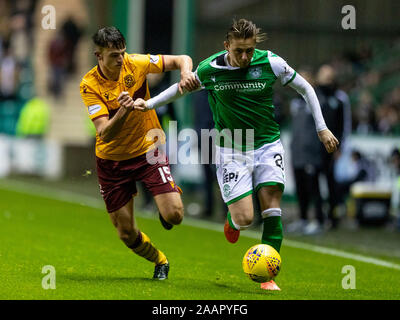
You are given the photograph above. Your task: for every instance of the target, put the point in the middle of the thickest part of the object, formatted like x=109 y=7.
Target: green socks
x=272 y=231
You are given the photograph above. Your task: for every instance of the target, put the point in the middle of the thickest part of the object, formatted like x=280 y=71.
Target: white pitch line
x=340 y=253
x=75 y=198
x=297 y=244
x=52 y=194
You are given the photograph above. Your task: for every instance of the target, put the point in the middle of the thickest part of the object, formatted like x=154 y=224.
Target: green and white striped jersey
x=241 y=98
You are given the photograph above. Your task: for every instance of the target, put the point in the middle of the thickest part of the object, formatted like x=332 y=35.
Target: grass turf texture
x=92 y=263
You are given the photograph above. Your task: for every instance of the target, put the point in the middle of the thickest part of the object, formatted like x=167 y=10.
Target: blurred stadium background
x=47 y=139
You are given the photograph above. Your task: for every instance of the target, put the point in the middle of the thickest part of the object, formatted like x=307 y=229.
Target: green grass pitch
x=92 y=263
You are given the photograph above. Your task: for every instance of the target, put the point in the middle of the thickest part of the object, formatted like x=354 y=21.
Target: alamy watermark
x=349 y=280
x=49 y=19
x=349 y=20
x=49 y=280
x=187 y=147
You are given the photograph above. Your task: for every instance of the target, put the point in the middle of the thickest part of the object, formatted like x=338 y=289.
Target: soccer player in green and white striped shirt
x=239 y=81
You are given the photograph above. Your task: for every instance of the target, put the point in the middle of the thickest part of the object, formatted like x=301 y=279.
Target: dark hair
x=109 y=37
x=244 y=29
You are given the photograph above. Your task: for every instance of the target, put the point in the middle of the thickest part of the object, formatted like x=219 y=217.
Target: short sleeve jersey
x=100 y=98
x=242 y=98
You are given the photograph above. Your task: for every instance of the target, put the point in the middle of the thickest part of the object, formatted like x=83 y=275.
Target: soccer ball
x=261 y=263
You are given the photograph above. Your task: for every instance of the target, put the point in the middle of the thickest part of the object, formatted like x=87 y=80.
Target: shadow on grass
x=217 y=289
x=182 y=288
x=103 y=278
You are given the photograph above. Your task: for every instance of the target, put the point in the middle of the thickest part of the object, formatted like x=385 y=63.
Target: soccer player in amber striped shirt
x=123 y=143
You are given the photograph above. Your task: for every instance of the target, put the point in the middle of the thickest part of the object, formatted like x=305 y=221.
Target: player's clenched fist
x=125 y=100
x=329 y=140
x=188 y=82
x=140 y=105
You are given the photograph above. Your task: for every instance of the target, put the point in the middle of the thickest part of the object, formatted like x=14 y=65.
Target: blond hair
x=244 y=29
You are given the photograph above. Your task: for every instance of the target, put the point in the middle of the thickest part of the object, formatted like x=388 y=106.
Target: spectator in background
x=34 y=119
x=364 y=114
x=387 y=118
x=1 y=47
x=395 y=199
x=336 y=110
x=61 y=55
x=360 y=169
x=9 y=74
x=21 y=24
x=306 y=162
x=388 y=113
x=58 y=58
x=72 y=34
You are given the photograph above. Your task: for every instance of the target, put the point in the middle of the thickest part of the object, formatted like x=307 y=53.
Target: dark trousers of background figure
x=57 y=81
x=308 y=192
x=209 y=178
x=328 y=171
x=210 y=195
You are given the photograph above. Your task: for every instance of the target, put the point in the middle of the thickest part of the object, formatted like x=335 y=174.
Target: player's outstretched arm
x=307 y=92
x=185 y=64
x=165 y=97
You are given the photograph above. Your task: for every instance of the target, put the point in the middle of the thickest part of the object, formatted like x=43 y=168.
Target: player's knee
x=175 y=214
x=244 y=219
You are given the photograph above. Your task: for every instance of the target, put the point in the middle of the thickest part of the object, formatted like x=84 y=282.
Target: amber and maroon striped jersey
x=100 y=97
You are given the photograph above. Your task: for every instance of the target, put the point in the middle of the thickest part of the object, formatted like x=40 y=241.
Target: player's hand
x=329 y=140
x=188 y=82
x=140 y=105
x=125 y=101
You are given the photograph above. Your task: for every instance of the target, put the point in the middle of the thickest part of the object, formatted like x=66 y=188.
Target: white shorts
x=239 y=174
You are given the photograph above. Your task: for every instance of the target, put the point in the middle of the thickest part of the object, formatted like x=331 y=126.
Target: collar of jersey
x=228 y=66
x=103 y=77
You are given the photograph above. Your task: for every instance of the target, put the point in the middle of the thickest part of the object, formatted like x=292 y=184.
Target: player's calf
x=128 y=235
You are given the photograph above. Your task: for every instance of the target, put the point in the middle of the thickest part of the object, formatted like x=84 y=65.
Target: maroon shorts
x=117 y=179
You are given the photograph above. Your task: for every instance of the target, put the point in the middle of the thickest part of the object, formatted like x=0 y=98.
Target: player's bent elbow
x=185 y=59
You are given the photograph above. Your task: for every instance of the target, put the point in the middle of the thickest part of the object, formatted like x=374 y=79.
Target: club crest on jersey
x=227 y=190
x=129 y=81
x=255 y=72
